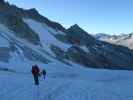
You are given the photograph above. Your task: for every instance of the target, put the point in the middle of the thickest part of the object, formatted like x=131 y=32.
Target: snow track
x=57 y=86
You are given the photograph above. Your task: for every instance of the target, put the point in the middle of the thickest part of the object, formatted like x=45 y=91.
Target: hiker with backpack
x=36 y=73
x=43 y=73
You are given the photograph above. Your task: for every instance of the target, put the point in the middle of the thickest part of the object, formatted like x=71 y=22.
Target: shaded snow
x=45 y=35
x=85 y=49
x=67 y=83
x=3 y=40
x=18 y=56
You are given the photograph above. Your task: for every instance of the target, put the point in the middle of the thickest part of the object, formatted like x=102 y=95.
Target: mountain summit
x=76 y=26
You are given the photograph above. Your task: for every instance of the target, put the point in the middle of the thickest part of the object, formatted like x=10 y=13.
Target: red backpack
x=35 y=70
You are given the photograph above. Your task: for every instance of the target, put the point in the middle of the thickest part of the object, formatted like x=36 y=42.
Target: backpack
x=35 y=70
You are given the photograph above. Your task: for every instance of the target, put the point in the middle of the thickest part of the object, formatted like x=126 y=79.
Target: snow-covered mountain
x=101 y=36
x=122 y=39
x=34 y=38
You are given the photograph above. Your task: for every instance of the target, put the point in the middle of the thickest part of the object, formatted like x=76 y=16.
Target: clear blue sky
x=95 y=16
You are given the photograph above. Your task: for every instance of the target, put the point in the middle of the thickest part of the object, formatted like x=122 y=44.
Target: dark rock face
x=100 y=54
x=6 y=8
x=33 y=55
x=60 y=54
x=111 y=57
x=76 y=35
x=79 y=56
x=20 y=29
x=10 y=16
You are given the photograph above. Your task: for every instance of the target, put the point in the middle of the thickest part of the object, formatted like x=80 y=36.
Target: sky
x=95 y=16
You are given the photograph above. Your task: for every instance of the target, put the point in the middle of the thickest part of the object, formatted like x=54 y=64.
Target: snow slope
x=68 y=84
x=45 y=34
x=17 y=58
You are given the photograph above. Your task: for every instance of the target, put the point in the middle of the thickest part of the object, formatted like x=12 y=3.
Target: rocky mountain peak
x=75 y=27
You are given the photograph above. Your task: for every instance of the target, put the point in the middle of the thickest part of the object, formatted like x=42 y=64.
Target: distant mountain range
x=122 y=39
x=27 y=37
